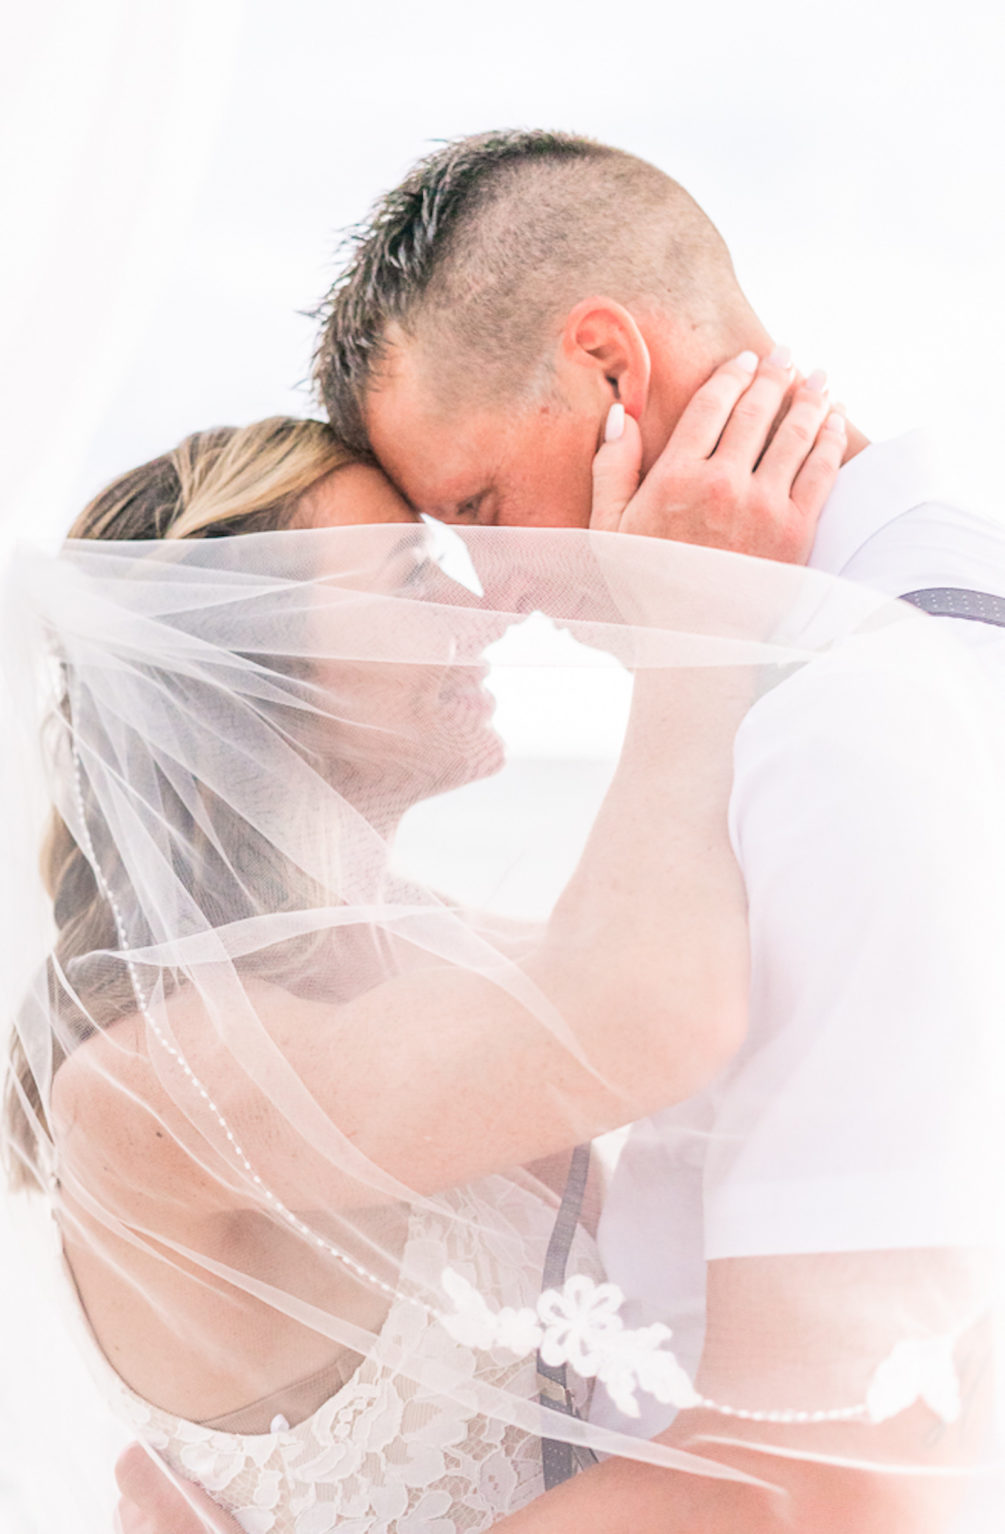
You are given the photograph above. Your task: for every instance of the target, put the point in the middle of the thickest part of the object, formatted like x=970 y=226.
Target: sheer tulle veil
x=400 y=869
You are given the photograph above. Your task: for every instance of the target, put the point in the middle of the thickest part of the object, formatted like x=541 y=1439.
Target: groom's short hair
x=489 y=241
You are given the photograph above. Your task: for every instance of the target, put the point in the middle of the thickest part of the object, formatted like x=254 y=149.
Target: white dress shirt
x=837 y=1128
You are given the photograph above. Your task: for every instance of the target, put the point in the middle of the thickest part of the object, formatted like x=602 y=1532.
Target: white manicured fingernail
x=615 y=422
x=781 y=357
x=747 y=361
x=836 y=422
x=817 y=380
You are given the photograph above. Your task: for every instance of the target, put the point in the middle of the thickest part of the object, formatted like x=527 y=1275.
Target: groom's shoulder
x=921 y=480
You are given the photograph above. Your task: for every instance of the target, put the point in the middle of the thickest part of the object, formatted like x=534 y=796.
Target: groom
x=507 y=295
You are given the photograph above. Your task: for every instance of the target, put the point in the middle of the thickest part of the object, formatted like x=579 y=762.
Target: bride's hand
x=723 y=480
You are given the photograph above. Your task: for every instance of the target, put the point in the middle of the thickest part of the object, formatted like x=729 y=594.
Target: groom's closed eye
x=477 y=510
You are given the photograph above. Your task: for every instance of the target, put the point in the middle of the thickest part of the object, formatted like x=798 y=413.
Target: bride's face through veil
x=416 y=729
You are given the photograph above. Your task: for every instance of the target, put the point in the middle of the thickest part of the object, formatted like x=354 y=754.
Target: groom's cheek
x=548 y=480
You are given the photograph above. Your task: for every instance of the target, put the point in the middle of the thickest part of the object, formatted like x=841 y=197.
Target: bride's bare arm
x=634 y=996
x=441 y=1075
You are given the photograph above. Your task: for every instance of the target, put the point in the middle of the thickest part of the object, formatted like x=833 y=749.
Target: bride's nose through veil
x=394 y=866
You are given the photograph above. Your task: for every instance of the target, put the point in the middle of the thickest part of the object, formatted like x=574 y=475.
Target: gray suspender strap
x=958 y=602
x=560 y=1461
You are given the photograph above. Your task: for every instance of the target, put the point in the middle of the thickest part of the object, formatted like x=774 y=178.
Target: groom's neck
x=684 y=356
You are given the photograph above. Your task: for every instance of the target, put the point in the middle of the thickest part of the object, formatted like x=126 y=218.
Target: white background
x=176 y=176
x=213 y=150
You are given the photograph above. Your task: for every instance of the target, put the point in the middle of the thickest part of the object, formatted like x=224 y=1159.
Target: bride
x=304 y=1121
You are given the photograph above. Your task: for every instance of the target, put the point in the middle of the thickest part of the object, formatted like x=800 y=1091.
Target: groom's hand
x=728 y=478
x=151 y=1503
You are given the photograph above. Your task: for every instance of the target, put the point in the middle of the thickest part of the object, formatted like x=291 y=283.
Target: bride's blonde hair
x=216 y=483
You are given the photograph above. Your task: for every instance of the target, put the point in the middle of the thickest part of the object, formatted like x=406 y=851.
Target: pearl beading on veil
x=579 y=1325
x=143 y=1004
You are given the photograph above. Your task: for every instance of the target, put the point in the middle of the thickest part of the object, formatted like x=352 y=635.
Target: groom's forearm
x=624 y=1496
x=787 y=1490
x=796 y=1497
x=617 y=1497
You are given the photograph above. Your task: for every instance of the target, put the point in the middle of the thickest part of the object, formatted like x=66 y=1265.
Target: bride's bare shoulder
x=125 y=1096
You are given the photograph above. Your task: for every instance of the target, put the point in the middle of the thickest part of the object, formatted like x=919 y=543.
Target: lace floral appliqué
x=578 y=1325
x=917 y=1370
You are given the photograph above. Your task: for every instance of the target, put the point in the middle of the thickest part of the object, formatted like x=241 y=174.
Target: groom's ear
x=602 y=336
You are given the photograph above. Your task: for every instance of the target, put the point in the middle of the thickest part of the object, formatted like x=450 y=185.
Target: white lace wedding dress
x=385 y=1455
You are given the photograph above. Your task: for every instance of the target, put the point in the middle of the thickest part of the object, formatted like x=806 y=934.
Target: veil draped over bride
x=388 y=866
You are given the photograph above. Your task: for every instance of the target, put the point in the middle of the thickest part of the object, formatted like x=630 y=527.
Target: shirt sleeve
x=866 y=819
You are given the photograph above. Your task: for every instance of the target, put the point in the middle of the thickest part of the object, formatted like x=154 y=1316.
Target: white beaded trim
x=580 y=1326
x=143 y=1004
x=840 y=1414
